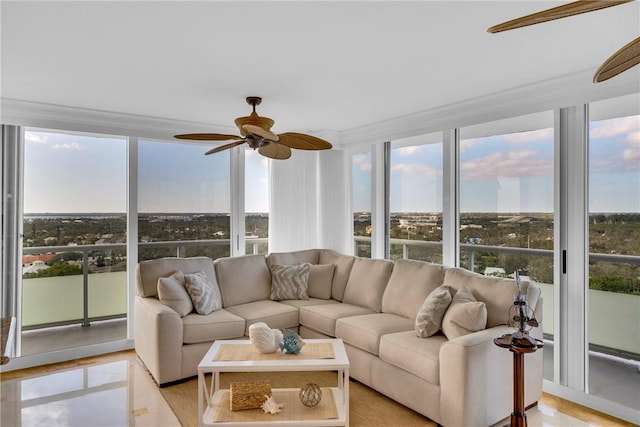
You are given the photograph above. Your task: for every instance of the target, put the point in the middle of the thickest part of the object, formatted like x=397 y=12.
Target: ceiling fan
x=625 y=58
x=256 y=132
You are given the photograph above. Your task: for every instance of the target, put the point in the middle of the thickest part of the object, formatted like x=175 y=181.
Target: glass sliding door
x=507 y=205
x=74 y=246
x=416 y=198
x=256 y=202
x=614 y=251
x=183 y=201
x=361 y=203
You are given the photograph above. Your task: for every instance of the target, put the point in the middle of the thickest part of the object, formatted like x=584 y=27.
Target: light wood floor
x=576 y=411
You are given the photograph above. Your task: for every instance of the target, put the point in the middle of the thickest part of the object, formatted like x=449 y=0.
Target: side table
x=519 y=345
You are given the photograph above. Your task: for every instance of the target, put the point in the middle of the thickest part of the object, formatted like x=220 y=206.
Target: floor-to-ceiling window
x=415 y=194
x=74 y=243
x=507 y=204
x=614 y=247
x=256 y=202
x=183 y=200
x=361 y=203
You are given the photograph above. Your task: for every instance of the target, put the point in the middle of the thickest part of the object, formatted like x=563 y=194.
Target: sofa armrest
x=158 y=337
x=476 y=379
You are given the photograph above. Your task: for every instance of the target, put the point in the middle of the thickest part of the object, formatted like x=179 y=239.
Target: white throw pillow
x=465 y=315
x=172 y=293
x=289 y=281
x=320 y=280
x=205 y=295
x=429 y=318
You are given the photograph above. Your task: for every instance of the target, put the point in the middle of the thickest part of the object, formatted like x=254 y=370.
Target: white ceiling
x=331 y=66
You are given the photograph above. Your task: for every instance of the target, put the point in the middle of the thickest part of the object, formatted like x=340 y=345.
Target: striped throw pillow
x=289 y=281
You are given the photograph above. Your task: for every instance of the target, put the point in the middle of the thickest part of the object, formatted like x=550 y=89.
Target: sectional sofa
x=372 y=305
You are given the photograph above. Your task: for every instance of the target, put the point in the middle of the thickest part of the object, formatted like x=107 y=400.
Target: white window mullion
x=132 y=228
x=451 y=198
x=380 y=200
x=572 y=256
x=237 y=201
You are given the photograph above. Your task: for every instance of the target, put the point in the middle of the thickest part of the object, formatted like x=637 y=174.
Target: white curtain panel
x=308 y=202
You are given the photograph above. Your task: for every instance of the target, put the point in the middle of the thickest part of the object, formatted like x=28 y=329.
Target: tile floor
x=119 y=392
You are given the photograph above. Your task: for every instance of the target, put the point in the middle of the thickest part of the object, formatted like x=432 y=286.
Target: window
x=183 y=201
x=507 y=205
x=256 y=202
x=74 y=245
x=614 y=247
x=416 y=198
x=361 y=202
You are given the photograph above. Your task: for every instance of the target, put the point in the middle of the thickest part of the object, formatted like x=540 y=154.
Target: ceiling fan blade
x=301 y=141
x=224 y=147
x=207 y=136
x=625 y=58
x=274 y=150
x=264 y=134
x=564 y=11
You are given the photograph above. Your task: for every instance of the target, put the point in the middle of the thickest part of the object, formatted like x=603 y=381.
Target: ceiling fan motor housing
x=253 y=119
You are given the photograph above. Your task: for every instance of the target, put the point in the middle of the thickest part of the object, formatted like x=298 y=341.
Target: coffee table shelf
x=210 y=395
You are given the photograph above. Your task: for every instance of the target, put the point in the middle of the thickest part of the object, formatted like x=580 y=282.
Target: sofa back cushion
x=148 y=272
x=497 y=293
x=367 y=282
x=309 y=256
x=243 y=279
x=320 y=280
x=342 y=271
x=410 y=283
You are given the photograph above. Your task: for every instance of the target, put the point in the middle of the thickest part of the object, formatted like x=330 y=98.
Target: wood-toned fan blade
x=275 y=150
x=207 y=136
x=224 y=147
x=625 y=58
x=564 y=11
x=301 y=141
x=264 y=134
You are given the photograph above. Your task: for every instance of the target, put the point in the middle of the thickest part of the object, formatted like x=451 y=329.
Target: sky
x=510 y=173
x=504 y=173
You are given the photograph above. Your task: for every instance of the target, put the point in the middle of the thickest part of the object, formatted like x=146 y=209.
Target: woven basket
x=248 y=394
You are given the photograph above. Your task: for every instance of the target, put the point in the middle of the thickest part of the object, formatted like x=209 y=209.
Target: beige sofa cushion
x=205 y=295
x=274 y=314
x=419 y=356
x=299 y=303
x=496 y=293
x=172 y=293
x=364 y=332
x=464 y=315
x=410 y=283
x=322 y=318
x=367 y=282
x=148 y=272
x=320 y=280
x=218 y=325
x=243 y=279
x=343 y=265
x=309 y=256
x=289 y=281
x=429 y=317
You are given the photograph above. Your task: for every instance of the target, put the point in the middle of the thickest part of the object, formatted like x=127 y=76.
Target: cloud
x=362 y=162
x=412 y=169
x=615 y=127
x=34 y=137
x=632 y=153
x=69 y=146
x=409 y=151
x=511 y=164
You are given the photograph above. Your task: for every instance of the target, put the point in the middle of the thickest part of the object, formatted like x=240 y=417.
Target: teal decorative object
x=291 y=342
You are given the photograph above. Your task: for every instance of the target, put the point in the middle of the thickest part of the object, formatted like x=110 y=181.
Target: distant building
x=494 y=271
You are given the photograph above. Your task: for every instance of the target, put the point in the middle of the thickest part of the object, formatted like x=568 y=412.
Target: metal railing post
x=85 y=288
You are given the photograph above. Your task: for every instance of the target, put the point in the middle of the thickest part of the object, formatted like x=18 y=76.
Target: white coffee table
x=210 y=396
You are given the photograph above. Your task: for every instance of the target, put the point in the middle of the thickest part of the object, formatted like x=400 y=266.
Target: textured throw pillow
x=429 y=318
x=320 y=280
x=172 y=293
x=289 y=281
x=204 y=294
x=465 y=315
